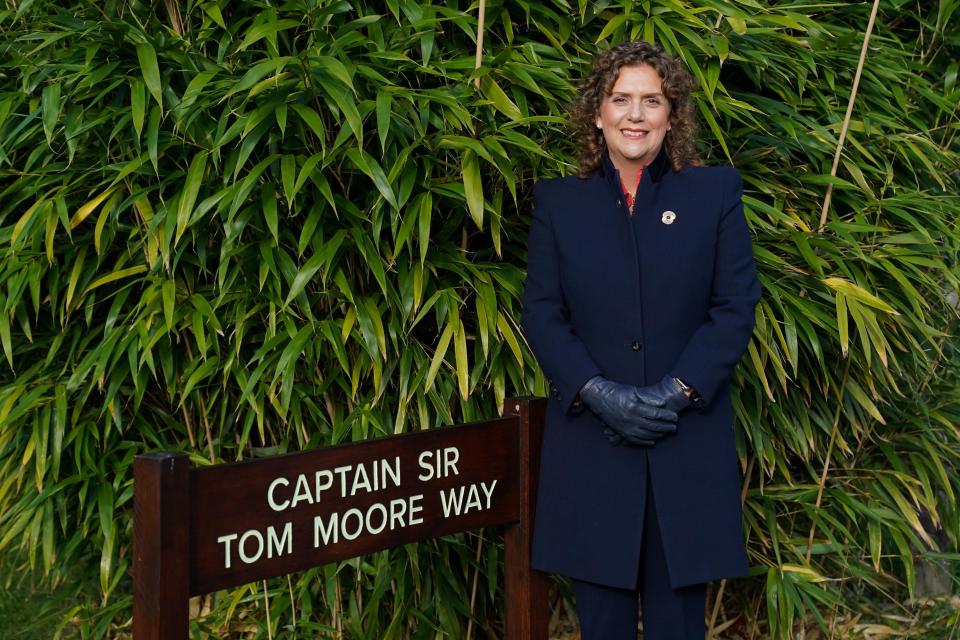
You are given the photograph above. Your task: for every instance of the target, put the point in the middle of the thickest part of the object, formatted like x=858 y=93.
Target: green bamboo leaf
x=492 y=92
x=310 y=117
x=258 y=72
x=193 y=91
x=342 y=101
x=199 y=333
x=336 y=68
x=5 y=338
x=265 y=30
x=372 y=259
x=304 y=276
x=212 y=9
x=759 y=369
x=423 y=225
x=280 y=113
x=49 y=529
x=875 y=542
x=169 y=295
x=102 y=220
x=106 y=561
x=473 y=188
x=199 y=374
x=616 y=22
x=75 y=276
x=320 y=259
x=371 y=328
x=374 y=312
x=408 y=221
x=863 y=400
x=506 y=332
x=105 y=500
x=27 y=217
x=384 y=116
x=305 y=171
x=288 y=175
x=188 y=196
x=268 y=203
x=150 y=70
x=714 y=126
x=153 y=136
x=371 y=168
x=51 y=109
x=738 y=24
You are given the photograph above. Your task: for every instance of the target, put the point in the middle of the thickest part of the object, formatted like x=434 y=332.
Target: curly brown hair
x=677 y=86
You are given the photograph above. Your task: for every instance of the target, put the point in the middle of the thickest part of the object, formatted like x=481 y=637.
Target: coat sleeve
x=546 y=318
x=708 y=359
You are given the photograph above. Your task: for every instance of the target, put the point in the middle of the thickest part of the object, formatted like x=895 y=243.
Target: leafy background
x=242 y=228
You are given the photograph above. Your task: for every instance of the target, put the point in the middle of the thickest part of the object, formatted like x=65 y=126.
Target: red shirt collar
x=627 y=193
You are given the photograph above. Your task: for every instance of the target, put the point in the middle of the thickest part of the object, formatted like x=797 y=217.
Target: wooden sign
x=204 y=529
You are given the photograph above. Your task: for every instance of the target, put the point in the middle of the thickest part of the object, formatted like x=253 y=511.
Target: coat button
x=619 y=204
x=636 y=345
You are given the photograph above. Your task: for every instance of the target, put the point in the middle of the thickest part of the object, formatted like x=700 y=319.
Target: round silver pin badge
x=668 y=217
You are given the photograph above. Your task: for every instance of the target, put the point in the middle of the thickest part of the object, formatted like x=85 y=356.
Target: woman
x=639 y=302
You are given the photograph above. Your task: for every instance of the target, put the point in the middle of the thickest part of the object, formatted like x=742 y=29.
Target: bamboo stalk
x=473 y=588
x=293 y=603
x=266 y=603
x=846 y=118
x=481 y=12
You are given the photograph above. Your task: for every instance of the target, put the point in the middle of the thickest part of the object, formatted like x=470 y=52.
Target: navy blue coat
x=634 y=298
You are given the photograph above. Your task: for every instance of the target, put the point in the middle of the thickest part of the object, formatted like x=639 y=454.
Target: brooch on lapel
x=668 y=217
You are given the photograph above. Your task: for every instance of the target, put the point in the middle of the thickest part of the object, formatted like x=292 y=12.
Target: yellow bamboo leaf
x=116 y=275
x=460 y=353
x=84 y=212
x=438 y=357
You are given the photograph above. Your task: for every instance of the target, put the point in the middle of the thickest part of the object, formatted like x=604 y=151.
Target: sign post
x=204 y=529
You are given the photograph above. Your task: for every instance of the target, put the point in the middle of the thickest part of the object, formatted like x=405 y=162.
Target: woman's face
x=634 y=118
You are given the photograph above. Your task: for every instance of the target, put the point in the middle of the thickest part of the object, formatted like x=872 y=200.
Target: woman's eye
x=620 y=100
x=653 y=101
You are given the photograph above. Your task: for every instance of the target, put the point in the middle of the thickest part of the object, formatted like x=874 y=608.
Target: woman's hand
x=667 y=394
x=630 y=412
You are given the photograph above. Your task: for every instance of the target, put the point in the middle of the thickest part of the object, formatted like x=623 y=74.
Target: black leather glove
x=632 y=415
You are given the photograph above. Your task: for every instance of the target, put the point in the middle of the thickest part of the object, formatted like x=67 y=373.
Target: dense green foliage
x=242 y=228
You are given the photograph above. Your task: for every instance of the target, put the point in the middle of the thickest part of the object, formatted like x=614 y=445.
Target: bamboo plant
x=241 y=229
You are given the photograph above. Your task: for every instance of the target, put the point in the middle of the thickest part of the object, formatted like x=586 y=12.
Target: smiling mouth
x=635 y=134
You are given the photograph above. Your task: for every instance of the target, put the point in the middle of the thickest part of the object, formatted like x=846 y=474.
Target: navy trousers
x=608 y=613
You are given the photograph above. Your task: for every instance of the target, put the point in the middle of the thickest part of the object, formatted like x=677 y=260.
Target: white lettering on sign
x=344 y=522
x=277 y=506
x=439 y=463
x=364 y=477
x=251 y=544
x=463 y=499
x=351 y=524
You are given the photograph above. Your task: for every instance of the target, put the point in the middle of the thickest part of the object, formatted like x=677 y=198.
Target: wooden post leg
x=525 y=589
x=161 y=554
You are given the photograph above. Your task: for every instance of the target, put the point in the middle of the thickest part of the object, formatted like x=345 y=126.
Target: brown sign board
x=264 y=518
x=197 y=530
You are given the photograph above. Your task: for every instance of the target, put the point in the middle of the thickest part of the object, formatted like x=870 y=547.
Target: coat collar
x=656 y=169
